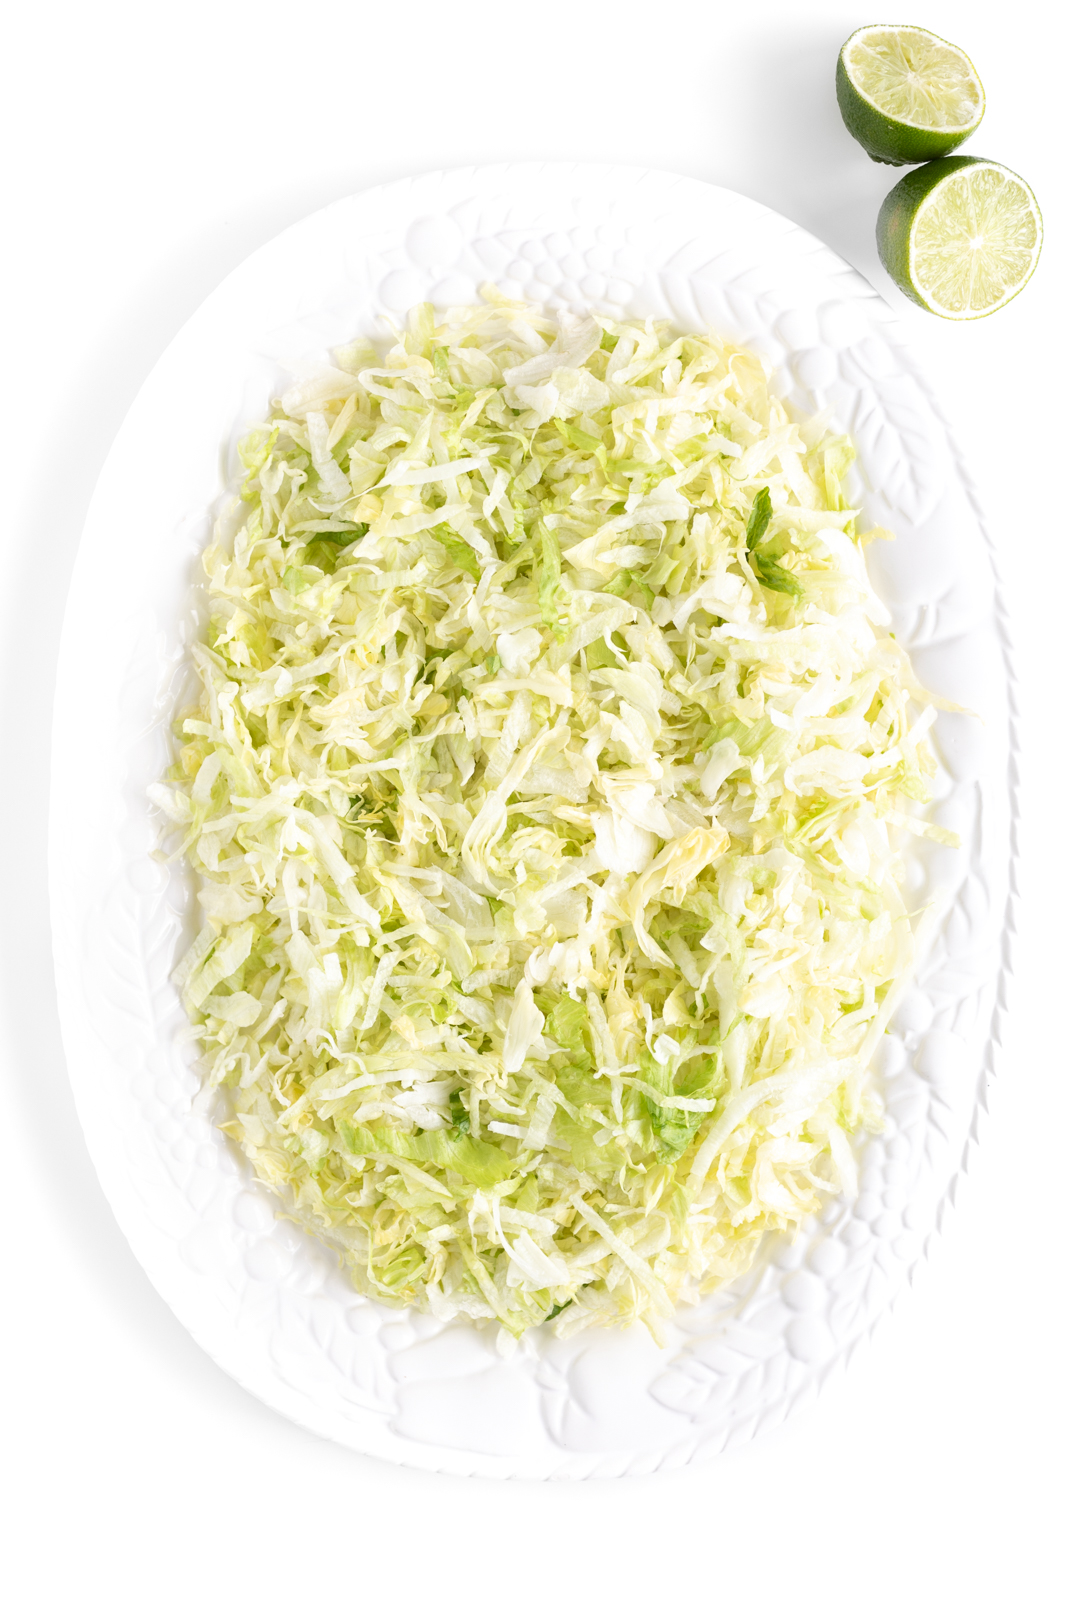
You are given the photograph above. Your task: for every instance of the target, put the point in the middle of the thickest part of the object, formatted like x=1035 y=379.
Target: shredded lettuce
x=539 y=795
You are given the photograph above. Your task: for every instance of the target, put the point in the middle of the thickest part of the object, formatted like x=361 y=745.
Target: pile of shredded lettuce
x=539 y=793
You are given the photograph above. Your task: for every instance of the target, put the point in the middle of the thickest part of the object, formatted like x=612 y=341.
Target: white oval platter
x=268 y=1303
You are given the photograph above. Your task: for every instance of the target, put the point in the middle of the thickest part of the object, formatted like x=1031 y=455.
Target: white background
x=147 y=150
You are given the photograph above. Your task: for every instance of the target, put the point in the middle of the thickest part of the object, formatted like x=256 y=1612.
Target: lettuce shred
x=539 y=795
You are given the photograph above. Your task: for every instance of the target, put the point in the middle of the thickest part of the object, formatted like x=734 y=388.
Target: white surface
x=262 y=1300
x=148 y=151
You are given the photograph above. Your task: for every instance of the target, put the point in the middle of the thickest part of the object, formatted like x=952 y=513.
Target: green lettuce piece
x=777 y=578
x=549 y=585
x=760 y=517
x=459 y=551
x=762 y=560
x=479 y=1163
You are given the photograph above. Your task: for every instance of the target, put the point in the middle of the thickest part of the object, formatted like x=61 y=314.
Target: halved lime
x=960 y=236
x=906 y=95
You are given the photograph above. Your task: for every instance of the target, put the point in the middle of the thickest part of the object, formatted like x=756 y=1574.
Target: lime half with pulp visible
x=906 y=95
x=960 y=236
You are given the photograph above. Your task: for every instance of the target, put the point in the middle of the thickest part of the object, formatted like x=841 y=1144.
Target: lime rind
x=906 y=95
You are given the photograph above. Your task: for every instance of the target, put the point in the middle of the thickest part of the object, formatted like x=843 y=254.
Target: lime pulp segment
x=914 y=78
